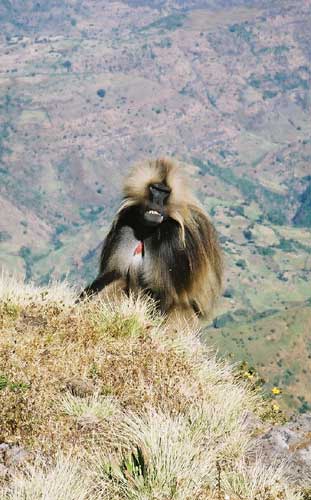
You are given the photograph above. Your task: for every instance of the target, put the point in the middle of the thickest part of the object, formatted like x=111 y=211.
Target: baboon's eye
x=159 y=193
x=160 y=186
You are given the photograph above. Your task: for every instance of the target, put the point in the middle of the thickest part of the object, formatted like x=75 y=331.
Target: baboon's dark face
x=156 y=206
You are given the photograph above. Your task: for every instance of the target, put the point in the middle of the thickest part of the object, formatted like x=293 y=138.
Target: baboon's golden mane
x=162 y=170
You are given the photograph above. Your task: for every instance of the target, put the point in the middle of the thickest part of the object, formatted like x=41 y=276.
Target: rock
x=290 y=443
x=3 y=471
x=11 y=456
x=80 y=387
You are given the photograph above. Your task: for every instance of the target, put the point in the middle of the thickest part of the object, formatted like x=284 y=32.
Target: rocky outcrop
x=290 y=443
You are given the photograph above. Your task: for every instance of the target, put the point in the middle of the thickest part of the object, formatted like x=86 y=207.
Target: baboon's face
x=155 y=210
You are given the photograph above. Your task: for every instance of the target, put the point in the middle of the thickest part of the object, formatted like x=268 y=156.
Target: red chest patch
x=139 y=249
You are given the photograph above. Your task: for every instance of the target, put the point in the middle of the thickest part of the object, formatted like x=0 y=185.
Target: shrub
x=101 y=93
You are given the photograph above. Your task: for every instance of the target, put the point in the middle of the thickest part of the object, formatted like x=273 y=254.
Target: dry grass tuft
x=63 y=481
x=15 y=291
x=147 y=412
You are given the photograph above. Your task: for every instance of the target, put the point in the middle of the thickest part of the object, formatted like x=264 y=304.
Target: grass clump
x=112 y=404
x=160 y=457
x=63 y=481
x=92 y=408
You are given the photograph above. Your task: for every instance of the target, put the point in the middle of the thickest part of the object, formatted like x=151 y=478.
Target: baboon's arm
x=100 y=283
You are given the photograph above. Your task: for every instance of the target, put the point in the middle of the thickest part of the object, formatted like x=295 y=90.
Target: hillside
x=89 y=88
x=102 y=401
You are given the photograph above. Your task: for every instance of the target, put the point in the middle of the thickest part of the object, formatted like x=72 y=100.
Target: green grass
x=270 y=342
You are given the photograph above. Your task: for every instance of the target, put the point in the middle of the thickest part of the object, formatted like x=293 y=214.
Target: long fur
x=183 y=265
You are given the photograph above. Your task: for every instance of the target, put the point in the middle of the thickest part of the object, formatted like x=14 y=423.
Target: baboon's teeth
x=153 y=212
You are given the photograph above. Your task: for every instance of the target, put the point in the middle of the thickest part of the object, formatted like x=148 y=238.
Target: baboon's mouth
x=153 y=216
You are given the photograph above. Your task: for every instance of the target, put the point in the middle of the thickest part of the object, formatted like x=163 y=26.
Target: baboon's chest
x=137 y=254
x=135 y=258
x=130 y=252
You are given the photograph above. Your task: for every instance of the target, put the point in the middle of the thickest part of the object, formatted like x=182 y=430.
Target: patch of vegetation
x=302 y=218
x=273 y=204
x=277 y=50
x=304 y=407
x=59 y=230
x=90 y=214
x=212 y=99
x=229 y=292
x=224 y=153
x=165 y=43
x=118 y=325
x=280 y=49
x=29 y=259
x=237 y=210
x=254 y=82
x=46 y=279
x=5 y=236
x=264 y=314
x=4 y=150
x=276 y=216
x=287 y=245
x=243 y=31
x=265 y=251
x=284 y=81
x=26 y=254
x=9 y=312
x=171 y=22
x=5 y=383
x=306 y=494
x=67 y=65
x=187 y=90
x=101 y=93
x=62 y=166
x=241 y=263
x=222 y=320
x=289 y=81
x=269 y=94
x=248 y=235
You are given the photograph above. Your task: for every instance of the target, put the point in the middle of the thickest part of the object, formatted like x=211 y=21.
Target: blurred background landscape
x=87 y=88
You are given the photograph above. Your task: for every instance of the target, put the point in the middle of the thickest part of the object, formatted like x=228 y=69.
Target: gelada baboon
x=162 y=242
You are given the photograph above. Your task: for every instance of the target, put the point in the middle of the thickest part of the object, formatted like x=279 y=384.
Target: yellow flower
x=275 y=408
x=276 y=390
